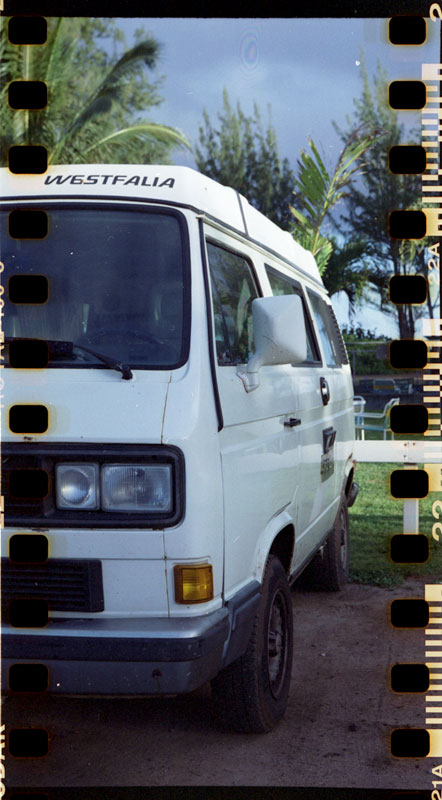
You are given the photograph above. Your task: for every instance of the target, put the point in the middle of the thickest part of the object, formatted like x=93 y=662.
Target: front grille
x=30 y=505
x=66 y=584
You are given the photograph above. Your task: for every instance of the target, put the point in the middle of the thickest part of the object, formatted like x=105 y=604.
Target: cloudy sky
x=306 y=70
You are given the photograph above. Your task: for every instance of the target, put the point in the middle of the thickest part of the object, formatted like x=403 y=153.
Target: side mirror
x=280 y=335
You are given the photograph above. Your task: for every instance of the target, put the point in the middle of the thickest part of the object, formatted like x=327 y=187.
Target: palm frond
x=148 y=130
x=10 y=56
x=58 y=53
x=101 y=99
x=93 y=112
x=146 y=51
x=317 y=191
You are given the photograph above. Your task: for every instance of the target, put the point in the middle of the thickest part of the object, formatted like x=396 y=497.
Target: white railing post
x=411 y=511
x=410 y=453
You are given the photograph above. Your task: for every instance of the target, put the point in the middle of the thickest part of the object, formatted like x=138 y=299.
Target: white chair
x=359 y=403
x=380 y=419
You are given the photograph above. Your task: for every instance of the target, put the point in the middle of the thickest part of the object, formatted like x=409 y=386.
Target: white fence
x=409 y=453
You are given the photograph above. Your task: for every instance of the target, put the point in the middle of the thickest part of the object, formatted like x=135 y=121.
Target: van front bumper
x=134 y=655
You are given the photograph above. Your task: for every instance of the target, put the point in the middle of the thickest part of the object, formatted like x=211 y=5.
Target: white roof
x=180 y=186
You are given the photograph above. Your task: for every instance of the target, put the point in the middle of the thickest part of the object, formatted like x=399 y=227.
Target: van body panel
x=135 y=586
x=250 y=463
x=80 y=402
x=190 y=423
x=142 y=543
x=260 y=461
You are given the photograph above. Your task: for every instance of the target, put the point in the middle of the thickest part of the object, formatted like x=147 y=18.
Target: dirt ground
x=335 y=732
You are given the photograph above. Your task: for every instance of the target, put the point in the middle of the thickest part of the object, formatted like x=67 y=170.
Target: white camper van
x=184 y=446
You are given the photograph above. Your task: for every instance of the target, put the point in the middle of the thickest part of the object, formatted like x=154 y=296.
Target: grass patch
x=374 y=519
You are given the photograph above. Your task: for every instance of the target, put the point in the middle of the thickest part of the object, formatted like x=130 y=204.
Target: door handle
x=292 y=422
x=325 y=391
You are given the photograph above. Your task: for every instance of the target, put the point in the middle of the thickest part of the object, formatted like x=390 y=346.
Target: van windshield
x=117 y=283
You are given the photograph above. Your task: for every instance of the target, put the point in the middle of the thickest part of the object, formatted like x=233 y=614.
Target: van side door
x=337 y=385
x=314 y=512
x=259 y=454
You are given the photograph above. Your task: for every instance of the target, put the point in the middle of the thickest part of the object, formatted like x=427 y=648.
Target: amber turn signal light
x=193 y=583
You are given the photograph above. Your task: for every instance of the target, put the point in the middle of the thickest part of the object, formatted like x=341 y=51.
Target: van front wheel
x=251 y=694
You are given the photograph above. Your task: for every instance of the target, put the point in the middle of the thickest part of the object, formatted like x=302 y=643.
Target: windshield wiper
x=64 y=349
x=126 y=371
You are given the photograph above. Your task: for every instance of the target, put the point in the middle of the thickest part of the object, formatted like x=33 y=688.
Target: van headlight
x=137 y=487
x=77 y=486
x=125 y=488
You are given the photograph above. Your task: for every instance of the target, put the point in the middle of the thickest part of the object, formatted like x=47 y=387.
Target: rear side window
x=233 y=290
x=282 y=285
x=331 y=339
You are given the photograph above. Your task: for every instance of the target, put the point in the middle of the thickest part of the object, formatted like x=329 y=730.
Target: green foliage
x=242 y=152
x=350 y=333
x=93 y=98
x=366 y=357
x=367 y=362
x=317 y=192
x=371 y=199
x=346 y=271
x=374 y=518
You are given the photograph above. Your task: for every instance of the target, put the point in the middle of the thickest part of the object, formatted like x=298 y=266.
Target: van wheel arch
x=349 y=482
x=283 y=547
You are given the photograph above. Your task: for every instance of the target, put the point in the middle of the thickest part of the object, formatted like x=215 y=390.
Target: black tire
x=251 y=694
x=329 y=570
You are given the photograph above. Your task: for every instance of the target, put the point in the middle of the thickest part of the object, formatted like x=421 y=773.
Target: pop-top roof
x=180 y=186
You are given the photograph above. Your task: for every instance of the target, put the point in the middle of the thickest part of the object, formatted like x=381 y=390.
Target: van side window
x=233 y=289
x=333 y=345
x=280 y=284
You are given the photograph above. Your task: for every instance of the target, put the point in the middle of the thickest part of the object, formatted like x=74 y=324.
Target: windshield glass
x=117 y=284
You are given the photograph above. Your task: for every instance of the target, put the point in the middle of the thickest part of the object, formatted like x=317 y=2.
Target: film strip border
x=425 y=613
x=25 y=159
x=432 y=329
x=433 y=656
x=432 y=377
x=431 y=736
x=27 y=96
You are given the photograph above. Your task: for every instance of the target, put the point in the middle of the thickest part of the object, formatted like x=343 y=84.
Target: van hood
x=89 y=405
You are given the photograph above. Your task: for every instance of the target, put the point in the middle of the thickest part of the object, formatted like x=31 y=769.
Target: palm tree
x=347 y=272
x=91 y=102
x=318 y=192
